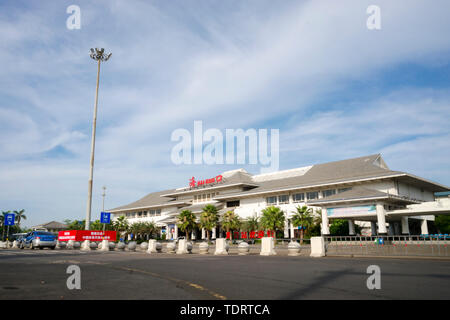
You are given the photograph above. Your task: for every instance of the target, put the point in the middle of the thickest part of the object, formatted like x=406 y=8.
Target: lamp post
x=98 y=55
x=103 y=206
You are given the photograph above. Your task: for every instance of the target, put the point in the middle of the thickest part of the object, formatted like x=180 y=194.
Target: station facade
x=361 y=190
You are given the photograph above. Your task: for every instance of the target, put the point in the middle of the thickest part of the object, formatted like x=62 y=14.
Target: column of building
x=325 y=222
x=381 y=217
x=351 y=227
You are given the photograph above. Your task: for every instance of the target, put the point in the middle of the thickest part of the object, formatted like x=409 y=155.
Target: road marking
x=191 y=284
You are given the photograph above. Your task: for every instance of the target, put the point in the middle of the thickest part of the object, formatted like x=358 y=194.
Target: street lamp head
x=99 y=54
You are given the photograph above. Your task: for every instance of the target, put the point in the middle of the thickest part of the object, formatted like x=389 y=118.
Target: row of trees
x=141 y=230
x=272 y=218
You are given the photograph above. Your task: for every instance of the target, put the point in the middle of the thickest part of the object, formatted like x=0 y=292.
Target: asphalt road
x=41 y=274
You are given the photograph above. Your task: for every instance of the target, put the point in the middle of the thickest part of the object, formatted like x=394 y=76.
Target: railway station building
x=362 y=190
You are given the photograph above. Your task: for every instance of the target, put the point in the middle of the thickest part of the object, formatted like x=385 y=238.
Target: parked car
x=38 y=239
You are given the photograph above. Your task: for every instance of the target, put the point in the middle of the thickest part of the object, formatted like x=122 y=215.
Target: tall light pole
x=98 y=55
x=103 y=206
x=103 y=195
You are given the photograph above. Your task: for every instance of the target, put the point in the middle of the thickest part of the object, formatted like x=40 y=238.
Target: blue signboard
x=9 y=219
x=105 y=217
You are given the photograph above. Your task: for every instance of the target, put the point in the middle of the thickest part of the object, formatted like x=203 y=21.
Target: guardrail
x=423 y=245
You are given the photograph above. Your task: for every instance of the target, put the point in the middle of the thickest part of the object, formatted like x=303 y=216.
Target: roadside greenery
x=231 y=222
x=272 y=219
x=186 y=222
x=252 y=224
x=303 y=218
x=209 y=219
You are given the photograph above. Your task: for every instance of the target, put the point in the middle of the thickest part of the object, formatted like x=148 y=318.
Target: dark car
x=38 y=239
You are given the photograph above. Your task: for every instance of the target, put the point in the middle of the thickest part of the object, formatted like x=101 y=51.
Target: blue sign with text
x=105 y=217
x=9 y=219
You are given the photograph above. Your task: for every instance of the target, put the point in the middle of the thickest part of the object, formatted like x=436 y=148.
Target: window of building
x=195 y=198
x=204 y=197
x=208 y=196
x=312 y=195
x=271 y=200
x=283 y=199
x=344 y=189
x=298 y=197
x=231 y=204
x=158 y=212
x=329 y=192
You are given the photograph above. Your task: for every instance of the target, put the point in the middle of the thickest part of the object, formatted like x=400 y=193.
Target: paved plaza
x=41 y=274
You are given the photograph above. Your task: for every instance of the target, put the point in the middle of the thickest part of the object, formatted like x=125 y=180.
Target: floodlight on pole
x=98 y=55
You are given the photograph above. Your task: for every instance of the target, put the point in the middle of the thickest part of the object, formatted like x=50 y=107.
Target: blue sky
x=311 y=69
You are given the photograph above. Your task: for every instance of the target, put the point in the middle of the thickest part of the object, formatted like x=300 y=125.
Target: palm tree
x=186 y=222
x=209 y=218
x=252 y=224
x=231 y=221
x=272 y=219
x=121 y=225
x=19 y=216
x=150 y=228
x=302 y=218
x=96 y=225
x=77 y=225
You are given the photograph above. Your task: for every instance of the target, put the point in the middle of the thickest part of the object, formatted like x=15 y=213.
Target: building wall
x=415 y=192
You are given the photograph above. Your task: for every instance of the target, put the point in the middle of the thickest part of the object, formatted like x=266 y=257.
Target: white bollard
x=317 y=247
x=2 y=245
x=104 y=245
x=182 y=247
x=151 y=246
x=86 y=246
x=267 y=246
x=221 y=247
x=15 y=244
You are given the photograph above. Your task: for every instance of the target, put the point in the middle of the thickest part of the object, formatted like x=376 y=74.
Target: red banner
x=81 y=235
x=251 y=235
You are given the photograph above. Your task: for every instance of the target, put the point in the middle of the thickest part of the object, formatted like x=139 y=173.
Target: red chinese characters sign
x=251 y=235
x=81 y=235
x=193 y=183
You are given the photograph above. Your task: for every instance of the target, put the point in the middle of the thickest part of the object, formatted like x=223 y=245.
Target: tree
x=76 y=225
x=339 y=227
x=443 y=224
x=209 y=218
x=252 y=224
x=96 y=225
x=272 y=219
x=149 y=228
x=19 y=216
x=302 y=218
x=186 y=222
x=121 y=225
x=231 y=221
